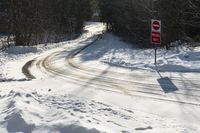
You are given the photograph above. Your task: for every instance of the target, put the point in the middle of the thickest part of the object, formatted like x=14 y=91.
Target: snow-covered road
x=152 y=85
x=68 y=95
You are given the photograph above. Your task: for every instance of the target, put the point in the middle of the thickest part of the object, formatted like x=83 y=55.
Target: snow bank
x=28 y=112
x=111 y=50
x=34 y=112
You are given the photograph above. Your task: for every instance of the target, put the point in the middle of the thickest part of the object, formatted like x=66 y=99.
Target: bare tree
x=131 y=18
x=39 y=21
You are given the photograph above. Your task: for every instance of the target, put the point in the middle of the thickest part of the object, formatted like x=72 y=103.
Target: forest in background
x=131 y=19
x=32 y=22
x=40 y=21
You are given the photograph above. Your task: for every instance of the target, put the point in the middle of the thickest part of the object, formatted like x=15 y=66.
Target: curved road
x=147 y=85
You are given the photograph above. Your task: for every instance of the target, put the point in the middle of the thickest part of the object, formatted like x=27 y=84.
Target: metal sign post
x=155 y=55
x=155 y=34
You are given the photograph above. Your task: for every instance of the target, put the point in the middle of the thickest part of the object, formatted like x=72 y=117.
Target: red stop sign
x=156 y=32
x=156 y=25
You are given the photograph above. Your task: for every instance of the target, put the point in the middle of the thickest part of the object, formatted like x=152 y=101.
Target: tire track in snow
x=100 y=82
x=82 y=76
x=26 y=71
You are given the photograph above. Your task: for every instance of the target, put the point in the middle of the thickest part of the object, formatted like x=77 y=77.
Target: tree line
x=39 y=21
x=131 y=19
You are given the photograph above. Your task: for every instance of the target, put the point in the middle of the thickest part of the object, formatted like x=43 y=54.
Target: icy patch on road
x=111 y=50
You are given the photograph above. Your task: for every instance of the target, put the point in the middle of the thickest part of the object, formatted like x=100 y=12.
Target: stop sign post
x=156 y=31
x=155 y=34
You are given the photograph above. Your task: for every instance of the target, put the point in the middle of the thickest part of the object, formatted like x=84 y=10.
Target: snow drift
x=27 y=113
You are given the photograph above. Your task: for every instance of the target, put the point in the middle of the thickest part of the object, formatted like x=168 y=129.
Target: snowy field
x=108 y=87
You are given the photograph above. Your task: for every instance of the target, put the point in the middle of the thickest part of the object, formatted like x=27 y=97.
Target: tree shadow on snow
x=99 y=49
x=13 y=80
x=17 y=124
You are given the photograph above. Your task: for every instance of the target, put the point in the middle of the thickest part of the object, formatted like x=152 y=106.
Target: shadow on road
x=167 y=85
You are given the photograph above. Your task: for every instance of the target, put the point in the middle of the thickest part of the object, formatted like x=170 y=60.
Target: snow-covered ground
x=118 y=53
x=110 y=87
